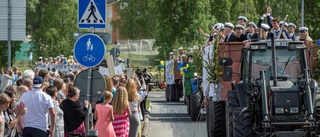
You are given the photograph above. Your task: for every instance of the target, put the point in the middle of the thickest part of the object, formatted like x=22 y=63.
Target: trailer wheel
x=172 y=95
x=217 y=119
x=232 y=102
x=242 y=123
x=188 y=104
x=167 y=92
x=195 y=106
x=207 y=117
x=185 y=100
x=177 y=93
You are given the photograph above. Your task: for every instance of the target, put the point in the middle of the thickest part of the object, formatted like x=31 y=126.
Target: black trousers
x=143 y=107
x=33 y=132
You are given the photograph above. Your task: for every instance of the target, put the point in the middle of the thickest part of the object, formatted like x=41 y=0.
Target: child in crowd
x=122 y=111
x=104 y=116
x=5 y=102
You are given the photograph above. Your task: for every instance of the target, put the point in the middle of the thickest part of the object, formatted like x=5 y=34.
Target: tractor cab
x=289 y=59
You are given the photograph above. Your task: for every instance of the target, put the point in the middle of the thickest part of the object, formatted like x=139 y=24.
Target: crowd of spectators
x=38 y=104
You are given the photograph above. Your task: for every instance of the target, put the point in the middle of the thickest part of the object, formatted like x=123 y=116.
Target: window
x=109 y=13
x=109 y=26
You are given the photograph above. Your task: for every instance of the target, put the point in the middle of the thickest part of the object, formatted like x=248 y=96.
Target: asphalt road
x=170 y=119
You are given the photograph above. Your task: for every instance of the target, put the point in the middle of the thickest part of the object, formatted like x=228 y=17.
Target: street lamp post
x=245 y=7
x=302 y=13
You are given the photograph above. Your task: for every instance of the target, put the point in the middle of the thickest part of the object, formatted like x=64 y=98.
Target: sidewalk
x=158 y=128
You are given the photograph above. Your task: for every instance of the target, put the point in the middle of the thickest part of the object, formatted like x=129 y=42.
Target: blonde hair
x=58 y=83
x=132 y=90
x=46 y=84
x=4 y=99
x=307 y=38
x=20 y=91
x=109 y=85
x=263 y=34
x=120 y=101
x=107 y=95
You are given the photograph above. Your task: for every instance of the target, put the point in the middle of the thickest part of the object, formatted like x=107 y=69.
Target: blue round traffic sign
x=89 y=50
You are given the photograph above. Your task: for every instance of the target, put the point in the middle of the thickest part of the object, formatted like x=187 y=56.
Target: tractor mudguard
x=193 y=82
x=241 y=92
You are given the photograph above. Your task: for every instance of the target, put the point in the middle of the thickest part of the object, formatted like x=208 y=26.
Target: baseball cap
x=37 y=82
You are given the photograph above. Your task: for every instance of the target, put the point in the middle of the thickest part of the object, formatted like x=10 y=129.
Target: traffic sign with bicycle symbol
x=89 y=58
x=89 y=50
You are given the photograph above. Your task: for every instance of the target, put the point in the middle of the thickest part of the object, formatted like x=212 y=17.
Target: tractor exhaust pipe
x=264 y=96
x=274 y=65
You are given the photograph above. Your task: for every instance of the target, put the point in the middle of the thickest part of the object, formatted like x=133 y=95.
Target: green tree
x=15 y=46
x=137 y=19
x=52 y=24
x=312 y=13
x=179 y=22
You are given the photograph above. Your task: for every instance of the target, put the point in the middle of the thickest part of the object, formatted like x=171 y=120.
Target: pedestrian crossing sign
x=92 y=13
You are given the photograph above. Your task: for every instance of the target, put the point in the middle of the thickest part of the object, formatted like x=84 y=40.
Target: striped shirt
x=121 y=125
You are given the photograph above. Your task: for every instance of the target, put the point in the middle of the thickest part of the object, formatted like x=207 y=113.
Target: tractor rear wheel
x=242 y=123
x=217 y=120
x=231 y=103
x=317 y=111
x=195 y=106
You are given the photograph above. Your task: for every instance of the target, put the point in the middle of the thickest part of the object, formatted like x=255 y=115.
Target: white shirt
x=133 y=105
x=37 y=103
x=6 y=80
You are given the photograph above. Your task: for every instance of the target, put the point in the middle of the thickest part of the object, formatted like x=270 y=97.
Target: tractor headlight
x=279 y=110
x=296 y=45
x=294 y=110
x=263 y=46
x=195 y=74
x=255 y=47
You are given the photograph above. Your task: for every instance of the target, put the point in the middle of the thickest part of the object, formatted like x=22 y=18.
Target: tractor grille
x=286 y=103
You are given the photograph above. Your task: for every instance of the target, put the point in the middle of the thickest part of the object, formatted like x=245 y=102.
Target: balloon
x=180 y=65
x=162 y=62
x=161 y=66
x=183 y=70
x=162 y=69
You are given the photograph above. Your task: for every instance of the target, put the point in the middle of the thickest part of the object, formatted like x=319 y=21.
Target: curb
x=145 y=124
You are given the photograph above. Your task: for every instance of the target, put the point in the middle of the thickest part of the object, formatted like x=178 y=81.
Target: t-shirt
x=59 y=128
x=6 y=81
x=38 y=103
x=15 y=78
x=114 y=91
x=1 y=124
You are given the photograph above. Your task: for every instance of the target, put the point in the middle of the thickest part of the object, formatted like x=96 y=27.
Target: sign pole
x=9 y=33
x=89 y=84
x=89 y=116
